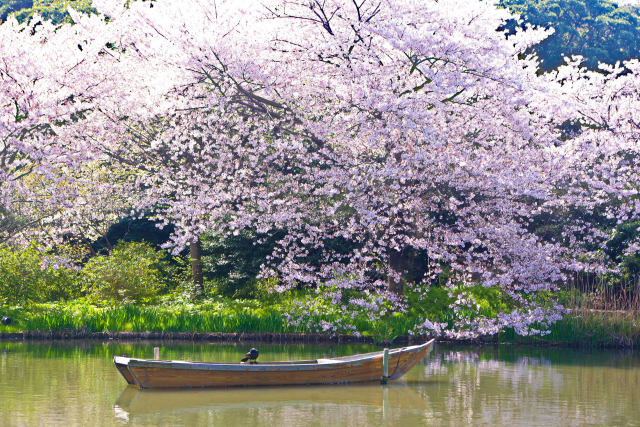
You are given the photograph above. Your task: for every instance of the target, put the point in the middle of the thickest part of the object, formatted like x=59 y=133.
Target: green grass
x=590 y=328
x=227 y=316
x=132 y=318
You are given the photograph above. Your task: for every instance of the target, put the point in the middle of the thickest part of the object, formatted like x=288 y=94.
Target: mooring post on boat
x=156 y=353
x=385 y=366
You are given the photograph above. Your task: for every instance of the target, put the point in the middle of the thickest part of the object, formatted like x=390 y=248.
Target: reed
x=603 y=313
x=587 y=328
x=230 y=318
x=60 y=317
x=599 y=292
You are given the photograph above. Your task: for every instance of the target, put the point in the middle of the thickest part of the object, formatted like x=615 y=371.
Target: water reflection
x=327 y=405
x=394 y=396
x=75 y=383
x=519 y=385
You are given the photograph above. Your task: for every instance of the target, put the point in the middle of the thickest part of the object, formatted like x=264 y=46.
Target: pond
x=75 y=383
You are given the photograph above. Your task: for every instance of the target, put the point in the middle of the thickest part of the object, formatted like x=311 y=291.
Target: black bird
x=251 y=355
x=6 y=320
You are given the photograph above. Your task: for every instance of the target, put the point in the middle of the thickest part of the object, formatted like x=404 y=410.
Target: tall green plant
x=133 y=271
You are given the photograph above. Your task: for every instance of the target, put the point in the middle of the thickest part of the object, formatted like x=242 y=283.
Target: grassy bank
x=588 y=328
x=225 y=316
x=138 y=318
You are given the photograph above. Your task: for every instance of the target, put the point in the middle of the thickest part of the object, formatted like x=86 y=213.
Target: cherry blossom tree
x=600 y=156
x=37 y=105
x=55 y=104
x=378 y=135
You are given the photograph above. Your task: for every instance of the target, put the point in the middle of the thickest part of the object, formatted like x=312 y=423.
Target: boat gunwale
x=329 y=363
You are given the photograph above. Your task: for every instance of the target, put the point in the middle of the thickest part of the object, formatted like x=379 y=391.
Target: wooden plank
x=125 y=373
x=135 y=379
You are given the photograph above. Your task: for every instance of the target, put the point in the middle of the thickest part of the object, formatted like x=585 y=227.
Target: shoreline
x=283 y=338
x=198 y=336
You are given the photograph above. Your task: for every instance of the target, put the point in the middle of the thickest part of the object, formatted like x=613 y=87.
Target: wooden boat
x=148 y=373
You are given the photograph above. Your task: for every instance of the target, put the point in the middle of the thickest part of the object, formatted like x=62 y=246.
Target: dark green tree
x=10 y=6
x=234 y=262
x=598 y=30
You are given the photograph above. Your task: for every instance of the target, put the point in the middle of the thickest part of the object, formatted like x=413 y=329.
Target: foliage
x=132 y=272
x=10 y=224
x=629 y=264
x=29 y=274
x=130 y=229
x=51 y=10
x=233 y=262
x=467 y=311
x=10 y=6
x=598 y=30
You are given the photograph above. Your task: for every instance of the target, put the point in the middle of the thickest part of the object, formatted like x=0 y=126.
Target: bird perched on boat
x=6 y=320
x=251 y=355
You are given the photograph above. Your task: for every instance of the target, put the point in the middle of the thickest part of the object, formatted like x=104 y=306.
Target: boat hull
x=171 y=374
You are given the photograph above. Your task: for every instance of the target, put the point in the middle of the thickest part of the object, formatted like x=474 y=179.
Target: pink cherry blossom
x=395 y=127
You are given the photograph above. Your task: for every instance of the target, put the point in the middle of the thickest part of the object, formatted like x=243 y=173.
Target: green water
x=75 y=383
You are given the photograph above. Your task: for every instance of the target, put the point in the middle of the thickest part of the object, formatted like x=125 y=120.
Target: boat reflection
x=134 y=401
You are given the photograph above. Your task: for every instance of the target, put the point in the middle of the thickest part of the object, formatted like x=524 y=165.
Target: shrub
x=28 y=275
x=133 y=271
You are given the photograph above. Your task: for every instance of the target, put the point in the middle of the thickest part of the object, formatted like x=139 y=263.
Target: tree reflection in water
x=75 y=383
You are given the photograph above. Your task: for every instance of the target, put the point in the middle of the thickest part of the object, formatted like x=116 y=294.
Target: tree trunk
x=397 y=262
x=195 y=253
